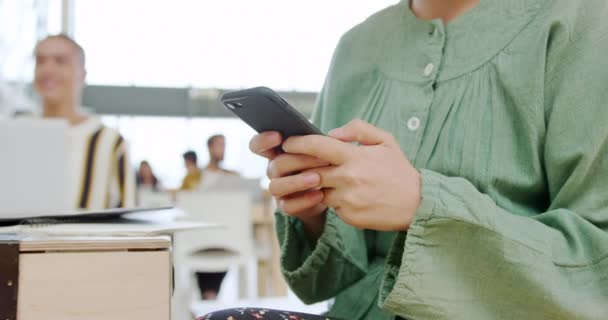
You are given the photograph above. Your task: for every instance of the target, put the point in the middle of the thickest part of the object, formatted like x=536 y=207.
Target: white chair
x=231 y=246
x=150 y=198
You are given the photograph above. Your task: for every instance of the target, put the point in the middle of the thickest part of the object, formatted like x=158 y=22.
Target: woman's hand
x=297 y=192
x=372 y=186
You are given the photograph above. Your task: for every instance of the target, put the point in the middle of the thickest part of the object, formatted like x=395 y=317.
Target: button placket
x=436 y=44
x=415 y=120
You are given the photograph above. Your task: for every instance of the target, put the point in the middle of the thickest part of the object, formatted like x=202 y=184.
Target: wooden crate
x=94 y=278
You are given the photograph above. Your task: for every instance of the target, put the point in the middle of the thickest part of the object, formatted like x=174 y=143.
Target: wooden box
x=114 y=278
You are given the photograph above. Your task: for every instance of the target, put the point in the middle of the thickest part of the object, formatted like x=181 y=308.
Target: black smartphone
x=264 y=110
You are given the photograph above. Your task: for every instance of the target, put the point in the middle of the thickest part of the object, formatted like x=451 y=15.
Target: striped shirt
x=101 y=176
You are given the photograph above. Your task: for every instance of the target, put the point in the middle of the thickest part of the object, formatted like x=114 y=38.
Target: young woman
x=479 y=185
x=146 y=179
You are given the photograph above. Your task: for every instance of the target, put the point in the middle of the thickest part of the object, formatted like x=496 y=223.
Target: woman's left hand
x=370 y=186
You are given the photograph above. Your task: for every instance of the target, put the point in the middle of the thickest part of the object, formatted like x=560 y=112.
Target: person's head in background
x=145 y=175
x=190 y=161
x=59 y=77
x=216 y=144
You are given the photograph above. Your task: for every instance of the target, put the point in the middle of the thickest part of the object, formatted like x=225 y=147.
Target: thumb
x=363 y=133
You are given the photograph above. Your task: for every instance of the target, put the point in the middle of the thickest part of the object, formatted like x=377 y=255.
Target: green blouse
x=505 y=113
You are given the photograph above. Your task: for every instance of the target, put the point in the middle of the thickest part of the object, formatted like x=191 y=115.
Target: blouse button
x=413 y=123
x=429 y=69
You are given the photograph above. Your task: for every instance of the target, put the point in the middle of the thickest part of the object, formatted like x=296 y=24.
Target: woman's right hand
x=295 y=190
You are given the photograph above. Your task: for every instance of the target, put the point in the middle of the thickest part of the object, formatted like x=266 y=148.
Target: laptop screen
x=34 y=165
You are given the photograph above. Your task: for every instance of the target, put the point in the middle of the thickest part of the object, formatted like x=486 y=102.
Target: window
x=283 y=44
x=22 y=23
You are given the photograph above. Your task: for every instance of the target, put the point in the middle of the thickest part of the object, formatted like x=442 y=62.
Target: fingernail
x=311 y=178
x=274 y=135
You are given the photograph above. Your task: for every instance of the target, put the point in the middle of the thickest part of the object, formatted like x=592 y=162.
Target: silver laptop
x=33 y=167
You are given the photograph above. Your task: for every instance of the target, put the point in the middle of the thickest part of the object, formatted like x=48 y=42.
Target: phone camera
x=234 y=105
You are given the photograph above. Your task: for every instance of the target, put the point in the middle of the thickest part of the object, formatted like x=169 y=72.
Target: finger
x=286 y=164
x=265 y=144
x=363 y=133
x=282 y=187
x=322 y=147
x=331 y=198
x=330 y=176
x=334 y=198
x=301 y=202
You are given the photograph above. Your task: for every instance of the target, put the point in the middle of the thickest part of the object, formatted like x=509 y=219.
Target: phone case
x=264 y=110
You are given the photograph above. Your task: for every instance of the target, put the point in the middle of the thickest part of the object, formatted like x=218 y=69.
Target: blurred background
x=155 y=69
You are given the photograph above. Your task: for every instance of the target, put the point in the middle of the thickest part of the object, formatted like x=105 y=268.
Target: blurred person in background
x=216 y=146
x=197 y=178
x=192 y=179
x=101 y=175
x=146 y=179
